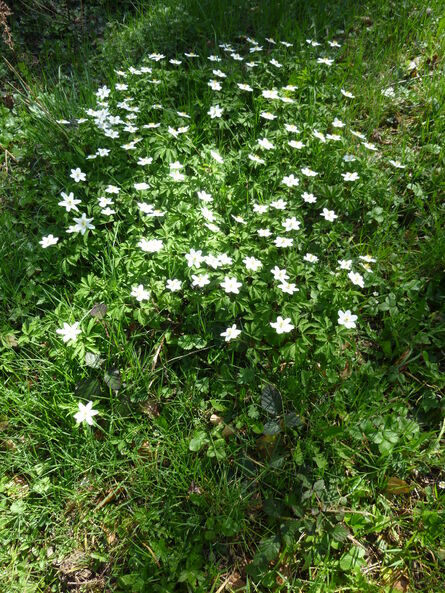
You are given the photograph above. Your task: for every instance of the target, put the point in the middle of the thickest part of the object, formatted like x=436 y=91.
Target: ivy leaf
x=113 y=379
x=271 y=400
x=99 y=310
x=191 y=341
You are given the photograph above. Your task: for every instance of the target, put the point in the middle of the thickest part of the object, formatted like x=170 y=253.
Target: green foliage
x=304 y=461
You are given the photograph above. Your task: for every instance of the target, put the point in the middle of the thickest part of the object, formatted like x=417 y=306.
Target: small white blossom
x=347 y=319
x=69 y=332
x=231 y=333
x=282 y=326
x=85 y=413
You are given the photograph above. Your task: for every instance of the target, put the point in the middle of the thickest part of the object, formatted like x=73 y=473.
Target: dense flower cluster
x=274 y=228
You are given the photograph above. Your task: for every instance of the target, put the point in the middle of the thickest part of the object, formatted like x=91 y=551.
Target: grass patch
x=231 y=450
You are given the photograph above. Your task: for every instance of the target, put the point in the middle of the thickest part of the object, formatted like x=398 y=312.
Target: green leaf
x=271 y=400
x=113 y=379
x=99 y=310
x=191 y=341
x=198 y=441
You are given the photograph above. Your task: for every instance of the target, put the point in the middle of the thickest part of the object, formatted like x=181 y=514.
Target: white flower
x=146 y=208
x=308 y=172
x=140 y=293
x=103 y=92
x=212 y=261
x=214 y=85
x=85 y=413
x=282 y=326
x=287 y=287
x=225 y=260
x=347 y=94
x=319 y=135
x=151 y=126
x=327 y=61
x=296 y=144
x=260 y=208
x=104 y=202
x=349 y=158
x=264 y=232
x=103 y=152
x=69 y=332
x=334 y=137
x=367 y=258
x=356 y=279
x=112 y=189
x=265 y=143
x=231 y=285
x=350 y=176
x=200 y=280
x=176 y=166
x=176 y=175
x=108 y=211
x=309 y=198
x=204 y=196
x=279 y=274
x=145 y=161
x=245 y=87
x=77 y=175
x=239 y=219
x=268 y=115
x=48 y=241
x=174 y=285
x=175 y=62
x=291 y=224
x=215 y=111
x=256 y=159
x=69 y=202
x=345 y=264
x=370 y=146
x=252 y=264
x=194 y=258
x=275 y=63
x=219 y=74
x=329 y=215
x=279 y=204
x=334 y=43
x=218 y=158
x=231 y=333
x=283 y=242
x=273 y=94
x=337 y=123
x=397 y=164
x=151 y=245
x=82 y=224
x=347 y=319
x=208 y=214
x=291 y=180
x=310 y=258
x=141 y=186
x=291 y=128
x=388 y=92
x=358 y=134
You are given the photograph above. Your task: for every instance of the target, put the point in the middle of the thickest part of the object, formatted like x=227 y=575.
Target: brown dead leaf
x=397 y=486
